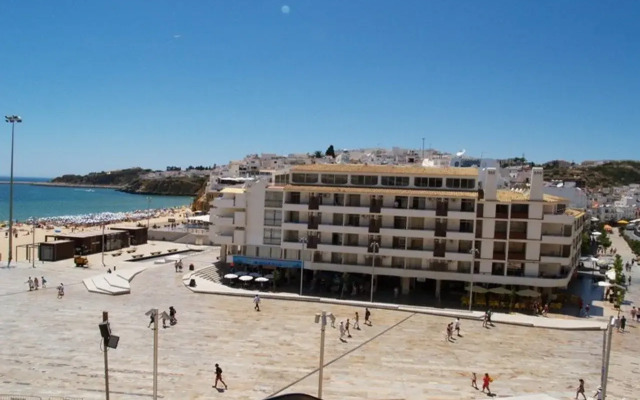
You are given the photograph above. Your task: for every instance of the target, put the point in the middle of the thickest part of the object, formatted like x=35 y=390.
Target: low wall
x=180 y=237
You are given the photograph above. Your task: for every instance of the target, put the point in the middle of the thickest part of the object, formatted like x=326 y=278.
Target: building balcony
x=554 y=259
x=337 y=209
x=223 y=221
x=515 y=255
x=351 y=249
x=222 y=238
x=458 y=256
x=224 y=202
x=295 y=207
x=502 y=215
x=499 y=255
x=500 y=235
x=457 y=235
x=557 y=239
x=408 y=212
x=294 y=226
x=518 y=235
x=519 y=215
x=557 y=218
x=461 y=214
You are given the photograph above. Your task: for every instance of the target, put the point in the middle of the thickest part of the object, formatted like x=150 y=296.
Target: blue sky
x=113 y=84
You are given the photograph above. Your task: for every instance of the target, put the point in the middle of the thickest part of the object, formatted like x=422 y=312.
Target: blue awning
x=267 y=262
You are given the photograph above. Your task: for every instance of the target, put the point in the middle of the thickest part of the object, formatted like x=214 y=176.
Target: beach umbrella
x=596 y=233
x=594 y=219
x=623 y=222
x=500 y=290
x=527 y=293
x=478 y=289
x=246 y=278
x=230 y=276
x=262 y=279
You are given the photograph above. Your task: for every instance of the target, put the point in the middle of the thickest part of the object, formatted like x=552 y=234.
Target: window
x=466 y=225
x=304 y=178
x=272 y=236
x=364 y=180
x=456 y=183
x=272 y=217
x=282 y=179
x=395 y=181
x=273 y=199
x=331 y=179
x=428 y=182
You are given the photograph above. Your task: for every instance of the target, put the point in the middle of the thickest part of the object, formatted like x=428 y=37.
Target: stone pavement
x=52 y=347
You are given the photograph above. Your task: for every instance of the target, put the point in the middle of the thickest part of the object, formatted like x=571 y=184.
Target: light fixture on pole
x=321 y=319
x=474 y=252
x=148 y=210
x=109 y=340
x=12 y=119
x=156 y=316
x=374 y=246
x=103 y=264
x=303 y=241
x=33 y=244
x=606 y=356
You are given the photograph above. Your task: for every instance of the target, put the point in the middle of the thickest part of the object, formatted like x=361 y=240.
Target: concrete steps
x=208 y=273
x=114 y=283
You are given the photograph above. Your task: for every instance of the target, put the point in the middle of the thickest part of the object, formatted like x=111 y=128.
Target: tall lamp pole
x=12 y=119
x=303 y=242
x=374 y=246
x=474 y=252
x=322 y=320
x=148 y=210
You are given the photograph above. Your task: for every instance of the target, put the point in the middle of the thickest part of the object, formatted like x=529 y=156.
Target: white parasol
x=246 y=278
x=527 y=293
x=231 y=276
x=500 y=290
x=262 y=279
x=478 y=289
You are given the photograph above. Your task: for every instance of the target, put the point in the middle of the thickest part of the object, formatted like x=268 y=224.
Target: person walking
x=586 y=311
x=581 y=389
x=44 y=282
x=598 y=394
x=456 y=326
x=342 y=331
x=176 y=265
x=623 y=323
x=474 y=383
x=256 y=302
x=356 y=323
x=36 y=283
x=347 y=325
x=60 y=291
x=484 y=321
x=486 y=380
x=152 y=320
x=219 y=378
x=367 y=317
x=30 y=282
x=633 y=313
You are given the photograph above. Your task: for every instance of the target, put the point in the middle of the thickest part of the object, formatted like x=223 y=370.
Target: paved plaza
x=52 y=347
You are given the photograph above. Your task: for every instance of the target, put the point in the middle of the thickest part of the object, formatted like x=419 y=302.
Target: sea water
x=33 y=201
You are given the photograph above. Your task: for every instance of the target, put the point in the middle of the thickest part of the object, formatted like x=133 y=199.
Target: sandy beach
x=25 y=236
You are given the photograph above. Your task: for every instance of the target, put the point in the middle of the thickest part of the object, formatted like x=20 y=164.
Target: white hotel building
x=412 y=227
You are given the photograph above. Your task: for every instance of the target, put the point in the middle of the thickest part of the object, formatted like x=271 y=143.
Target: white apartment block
x=405 y=224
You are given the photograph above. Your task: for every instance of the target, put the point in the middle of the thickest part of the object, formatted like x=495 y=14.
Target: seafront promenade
x=55 y=347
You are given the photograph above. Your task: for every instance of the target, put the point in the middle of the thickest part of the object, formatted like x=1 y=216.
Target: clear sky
x=114 y=84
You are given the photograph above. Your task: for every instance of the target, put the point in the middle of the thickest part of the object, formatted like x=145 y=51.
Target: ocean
x=52 y=201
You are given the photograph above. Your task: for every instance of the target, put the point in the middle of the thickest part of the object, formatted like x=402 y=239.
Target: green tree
x=604 y=239
x=620 y=281
x=317 y=154
x=330 y=152
x=586 y=244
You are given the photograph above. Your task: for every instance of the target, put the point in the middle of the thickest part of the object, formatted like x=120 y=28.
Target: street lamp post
x=103 y=264
x=12 y=119
x=374 y=246
x=474 y=252
x=303 y=241
x=322 y=320
x=148 y=210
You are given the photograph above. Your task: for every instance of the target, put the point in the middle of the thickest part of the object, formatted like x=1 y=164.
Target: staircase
x=209 y=273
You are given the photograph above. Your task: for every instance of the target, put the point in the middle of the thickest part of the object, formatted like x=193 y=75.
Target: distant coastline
x=60 y=184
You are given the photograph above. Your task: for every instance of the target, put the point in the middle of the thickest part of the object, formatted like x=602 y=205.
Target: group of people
x=486 y=319
x=172 y=319
x=178 y=265
x=597 y=395
x=34 y=284
x=453 y=327
x=345 y=327
x=486 y=381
